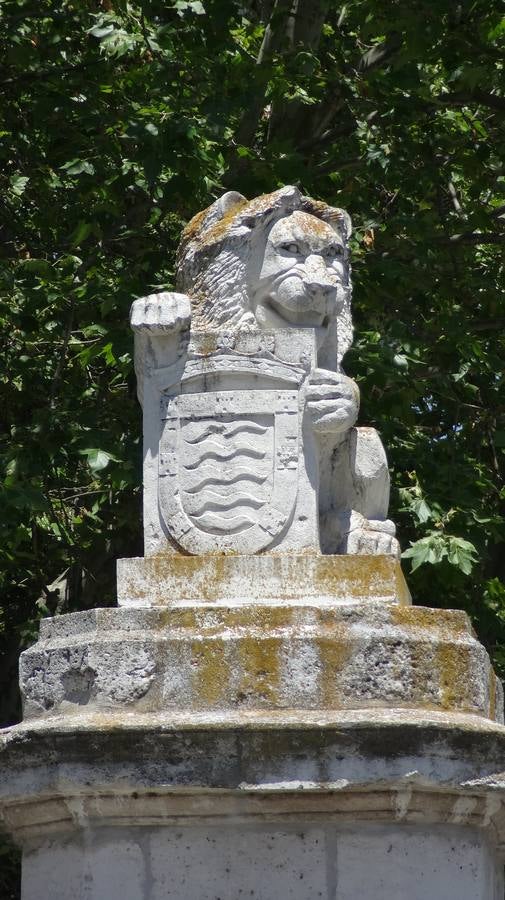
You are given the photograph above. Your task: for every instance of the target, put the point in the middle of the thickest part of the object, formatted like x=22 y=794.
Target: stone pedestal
x=265 y=715
x=265 y=727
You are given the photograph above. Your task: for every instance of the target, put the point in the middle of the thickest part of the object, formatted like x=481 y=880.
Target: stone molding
x=64 y=777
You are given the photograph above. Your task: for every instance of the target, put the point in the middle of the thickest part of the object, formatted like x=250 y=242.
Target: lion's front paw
x=166 y=312
x=332 y=401
x=372 y=543
x=371 y=536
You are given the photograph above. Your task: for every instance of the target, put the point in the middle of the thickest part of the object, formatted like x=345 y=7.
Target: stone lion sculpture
x=281 y=261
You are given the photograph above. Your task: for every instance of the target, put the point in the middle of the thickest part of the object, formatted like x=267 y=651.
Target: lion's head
x=278 y=261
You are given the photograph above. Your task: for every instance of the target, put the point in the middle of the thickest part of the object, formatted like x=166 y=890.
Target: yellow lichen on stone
x=315 y=225
x=179 y=617
x=492 y=694
x=453 y=623
x=210 y=673
x=455 y=672
x=220 y=229
x=333 y=655
x=259 y=668
x=365 y=576
x=207 y=343
x=264 y=618
x=165 y=578
x=321 y=214
x=260 y=619
x=194 y=225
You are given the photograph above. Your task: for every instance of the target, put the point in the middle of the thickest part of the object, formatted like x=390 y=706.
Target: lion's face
x=277 y=261
x=303 y=268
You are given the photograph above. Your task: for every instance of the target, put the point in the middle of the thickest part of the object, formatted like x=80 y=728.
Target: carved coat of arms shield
x=228 y=465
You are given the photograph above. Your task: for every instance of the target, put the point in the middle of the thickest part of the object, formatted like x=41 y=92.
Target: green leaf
x=430 y=549
x=18 y=184
x=461 y=554
x=437 y=546
x=420 y=552
x=101 y=31
x=81 y=232
x=422 y=510
x=194 y=6
x=98 y=459
x=78 y=166
x=37 y=266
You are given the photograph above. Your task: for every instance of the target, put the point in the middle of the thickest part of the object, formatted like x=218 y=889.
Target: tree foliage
x=122 y=119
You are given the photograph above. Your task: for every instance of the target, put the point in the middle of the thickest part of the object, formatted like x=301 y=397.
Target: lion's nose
x=318 y=283
x=321 y=289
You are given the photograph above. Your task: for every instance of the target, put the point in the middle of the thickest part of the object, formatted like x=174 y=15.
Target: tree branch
x=454 y=198
x=475 y=237
x=272 y=39
x=381 y=53
x=331 y=134
x=48 y=73
x=467 y=98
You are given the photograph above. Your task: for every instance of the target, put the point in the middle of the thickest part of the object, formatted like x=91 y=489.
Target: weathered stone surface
x=223 y=661
x=60 y=775
x=267 y=862
x=146 y=794
x=167 y=580
x=249 y=437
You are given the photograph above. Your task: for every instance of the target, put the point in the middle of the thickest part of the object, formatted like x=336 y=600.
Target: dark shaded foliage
x=121 y=120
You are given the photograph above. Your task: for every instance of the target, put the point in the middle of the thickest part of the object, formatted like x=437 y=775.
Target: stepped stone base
x=228 y=745
x=253 y=660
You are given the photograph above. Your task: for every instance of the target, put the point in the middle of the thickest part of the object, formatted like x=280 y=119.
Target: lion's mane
x=221 y=253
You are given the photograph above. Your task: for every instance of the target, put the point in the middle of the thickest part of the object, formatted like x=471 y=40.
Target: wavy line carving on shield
x=218 y=493
x=225 y=485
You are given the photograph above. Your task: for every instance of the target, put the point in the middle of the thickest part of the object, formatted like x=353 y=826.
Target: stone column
x=258 y=718
x=318 y=737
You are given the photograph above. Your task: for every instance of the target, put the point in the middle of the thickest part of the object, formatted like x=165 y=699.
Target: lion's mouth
x=301 y=318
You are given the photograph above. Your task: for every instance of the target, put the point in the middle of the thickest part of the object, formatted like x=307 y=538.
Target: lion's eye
x=291 y=248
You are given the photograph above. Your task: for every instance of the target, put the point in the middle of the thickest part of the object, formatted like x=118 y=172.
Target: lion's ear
x=228 y=201
x=344 y=224
x=220 y=208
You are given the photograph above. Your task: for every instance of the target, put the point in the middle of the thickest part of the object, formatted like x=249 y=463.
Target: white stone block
x=407 y=863
x=101 y=865
x=297 y=860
